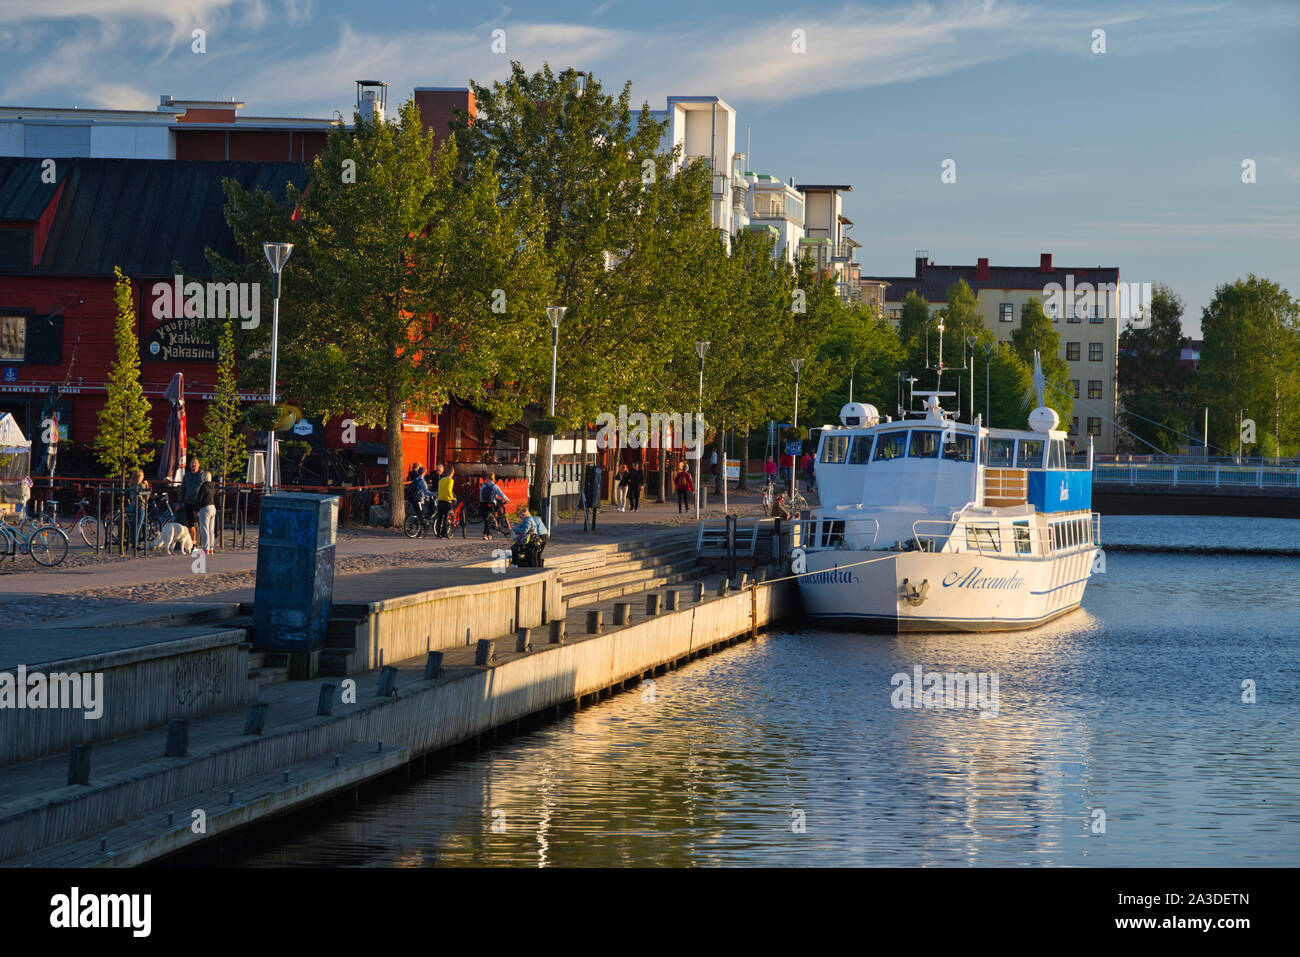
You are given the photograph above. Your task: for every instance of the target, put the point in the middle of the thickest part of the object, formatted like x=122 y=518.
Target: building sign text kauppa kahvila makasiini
x=182 y=309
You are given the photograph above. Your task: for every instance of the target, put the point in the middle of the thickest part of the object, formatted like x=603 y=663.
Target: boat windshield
x=1029 y=454
x=835 y=448
x=860 y=454
x=1000 y=452
x=960 y=448
x=891 y=445
x=925 y=444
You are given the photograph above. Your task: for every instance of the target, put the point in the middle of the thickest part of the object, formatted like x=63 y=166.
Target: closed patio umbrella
x=171 y=464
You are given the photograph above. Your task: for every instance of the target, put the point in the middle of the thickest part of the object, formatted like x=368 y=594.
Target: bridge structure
x=1153 y=486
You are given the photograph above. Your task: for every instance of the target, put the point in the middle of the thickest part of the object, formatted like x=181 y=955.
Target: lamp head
x=555 y=314
x=797 y=364
x=277 y=254
x=970 y=342
x=702 y=347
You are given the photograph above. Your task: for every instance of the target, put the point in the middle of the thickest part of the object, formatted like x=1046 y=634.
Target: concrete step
x=622 y=575
x=637 y=587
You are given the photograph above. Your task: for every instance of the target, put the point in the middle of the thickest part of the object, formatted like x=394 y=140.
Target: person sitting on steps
x=530 y=539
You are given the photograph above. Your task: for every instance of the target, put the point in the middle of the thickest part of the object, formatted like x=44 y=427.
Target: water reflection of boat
x=929 y=524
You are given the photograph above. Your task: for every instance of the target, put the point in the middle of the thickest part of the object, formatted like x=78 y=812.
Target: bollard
x=557 y=631
x=485 y=652
x=522 y=642
x=594 y=621
x=623 y=613
x=79 y=764
x=433 y=666
x=178 y=738
x=723 y=585
x=255 y=721
x=325 y=703
x=670 y=600
x=652 y=605
x=387 y=682
x=699 y=591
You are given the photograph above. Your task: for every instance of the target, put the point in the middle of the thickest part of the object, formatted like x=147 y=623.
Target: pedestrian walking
x=138 y=502
x=634 y=482
x=685 y=486
x=769 y=469
x=787 y=468
x=624 y=476
x=806 y=466
x=188 y=511
x=205 y=500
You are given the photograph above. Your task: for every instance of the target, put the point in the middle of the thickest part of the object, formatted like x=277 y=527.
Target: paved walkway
x=111 y=572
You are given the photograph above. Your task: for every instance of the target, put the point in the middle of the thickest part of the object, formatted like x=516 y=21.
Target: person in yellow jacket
x=446 y=501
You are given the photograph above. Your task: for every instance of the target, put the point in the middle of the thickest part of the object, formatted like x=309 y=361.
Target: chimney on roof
x=921 y=256
x=982 y=269
x=1045 y=262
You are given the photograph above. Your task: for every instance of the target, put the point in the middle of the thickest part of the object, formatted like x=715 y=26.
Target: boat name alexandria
x=973 y=579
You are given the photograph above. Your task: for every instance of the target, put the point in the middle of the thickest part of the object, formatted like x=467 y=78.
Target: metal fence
x=1175 y=475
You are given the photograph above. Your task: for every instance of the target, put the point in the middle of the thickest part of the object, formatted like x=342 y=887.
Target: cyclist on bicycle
x=493 y=503
x=446 y=502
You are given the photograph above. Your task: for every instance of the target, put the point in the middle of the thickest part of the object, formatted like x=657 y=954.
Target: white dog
x=174 y=534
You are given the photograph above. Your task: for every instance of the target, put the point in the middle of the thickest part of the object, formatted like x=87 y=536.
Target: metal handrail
x=1218 y=476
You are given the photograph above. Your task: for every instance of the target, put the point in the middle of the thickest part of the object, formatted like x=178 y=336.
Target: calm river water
x=787 y=751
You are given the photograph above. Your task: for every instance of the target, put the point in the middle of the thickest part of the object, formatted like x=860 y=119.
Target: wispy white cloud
x=602 y=8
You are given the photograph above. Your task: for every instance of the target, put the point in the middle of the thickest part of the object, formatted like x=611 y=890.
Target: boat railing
x=1176 y=474
x=834 y=533
x=986 y=538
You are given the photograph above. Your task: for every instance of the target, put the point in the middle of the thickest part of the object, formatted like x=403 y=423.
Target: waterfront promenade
x=139 y=803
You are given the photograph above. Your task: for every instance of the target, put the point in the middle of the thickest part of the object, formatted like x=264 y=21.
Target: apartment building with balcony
x=704 y=127
x=776 y=208
x=826 y=237
x=1087 y=321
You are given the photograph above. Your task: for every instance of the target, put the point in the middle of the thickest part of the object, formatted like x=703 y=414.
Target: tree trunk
x=538 y=492
x=742 y=485
x=396 y=473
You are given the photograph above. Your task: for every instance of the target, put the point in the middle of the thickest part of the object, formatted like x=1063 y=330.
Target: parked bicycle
x=160 y=513
x=48 y=544
x=417 y=526
x=83 y=522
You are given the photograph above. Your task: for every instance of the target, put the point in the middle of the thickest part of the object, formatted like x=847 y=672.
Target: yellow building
x=1085 y=302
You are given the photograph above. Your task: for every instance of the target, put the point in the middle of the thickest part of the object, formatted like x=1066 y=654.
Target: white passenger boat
x=928 y=524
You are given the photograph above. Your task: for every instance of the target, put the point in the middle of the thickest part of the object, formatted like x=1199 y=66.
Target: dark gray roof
x=935 y=280
x=140 y=215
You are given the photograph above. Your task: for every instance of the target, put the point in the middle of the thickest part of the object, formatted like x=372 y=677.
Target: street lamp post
x=988 y=352
x=970 y=343
x=277 y=254
x=555 y=314
x=794 y=461
x=701 y=347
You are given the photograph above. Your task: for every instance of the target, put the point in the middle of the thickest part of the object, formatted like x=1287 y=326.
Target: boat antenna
x=1038 y=378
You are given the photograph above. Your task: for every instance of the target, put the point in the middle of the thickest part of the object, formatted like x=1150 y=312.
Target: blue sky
x=1128 y=158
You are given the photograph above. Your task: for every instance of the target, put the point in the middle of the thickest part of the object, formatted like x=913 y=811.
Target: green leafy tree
x=616 y=225
x=411 y=280
x=1153 y=384
x=914 y=319
x=1037 y=334
x=121 y=444
x=221 y=447
x=1249 y=362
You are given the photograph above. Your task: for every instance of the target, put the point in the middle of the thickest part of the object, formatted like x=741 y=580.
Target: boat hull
x=960 y=591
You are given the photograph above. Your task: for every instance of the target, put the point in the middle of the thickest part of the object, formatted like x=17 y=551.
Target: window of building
x=1094 y=352
x=30 y=339
x=1099 y=313
x=1072 y=352
x=1050 y=309
x=1094 y=388
x=1074 y=387
x=1074 y=425
x=1094 y=425
x=13 y=338
x=1006 y=312
x=1073 y=310
x=896 y=314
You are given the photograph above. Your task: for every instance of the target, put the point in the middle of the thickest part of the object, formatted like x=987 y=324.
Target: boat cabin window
x=832 y=534
x=1056 y=454
x=960 y=448
x=891 y=445
x=835 y=448
x=1022 y=537
x=860 y=454
x=1029 y=454
x=1000 y=452
x=925 y=444
x=983 y=538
